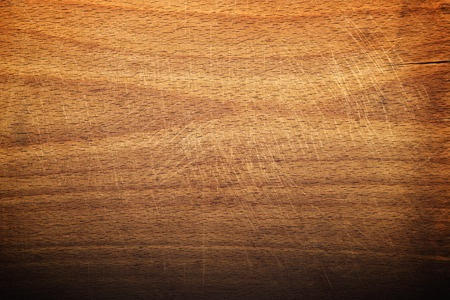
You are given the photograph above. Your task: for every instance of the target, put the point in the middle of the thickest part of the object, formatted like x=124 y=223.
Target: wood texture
x=224 y=149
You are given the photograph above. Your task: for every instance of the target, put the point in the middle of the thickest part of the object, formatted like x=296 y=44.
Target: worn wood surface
x=224 y=149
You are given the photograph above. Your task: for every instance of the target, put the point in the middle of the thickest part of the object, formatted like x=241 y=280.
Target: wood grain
x=224 y=149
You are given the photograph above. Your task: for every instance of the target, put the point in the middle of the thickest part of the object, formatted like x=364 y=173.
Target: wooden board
x=224 y=149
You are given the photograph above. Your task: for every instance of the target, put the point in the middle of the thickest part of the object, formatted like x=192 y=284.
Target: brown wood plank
x=224 y=149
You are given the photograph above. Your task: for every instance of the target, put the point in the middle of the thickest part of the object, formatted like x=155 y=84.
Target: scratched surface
x=224 y=149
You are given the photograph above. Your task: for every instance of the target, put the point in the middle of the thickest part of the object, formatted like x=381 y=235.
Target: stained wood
x=224 y=149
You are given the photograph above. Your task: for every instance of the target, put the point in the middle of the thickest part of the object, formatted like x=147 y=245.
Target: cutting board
x=224 y=149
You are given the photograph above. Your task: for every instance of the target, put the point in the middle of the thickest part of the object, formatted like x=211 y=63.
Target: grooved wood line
x=227 y=149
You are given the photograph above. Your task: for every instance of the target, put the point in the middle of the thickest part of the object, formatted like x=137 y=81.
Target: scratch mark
x=326 y=276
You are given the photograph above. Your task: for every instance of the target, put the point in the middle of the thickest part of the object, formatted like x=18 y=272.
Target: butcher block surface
x=227 y=149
